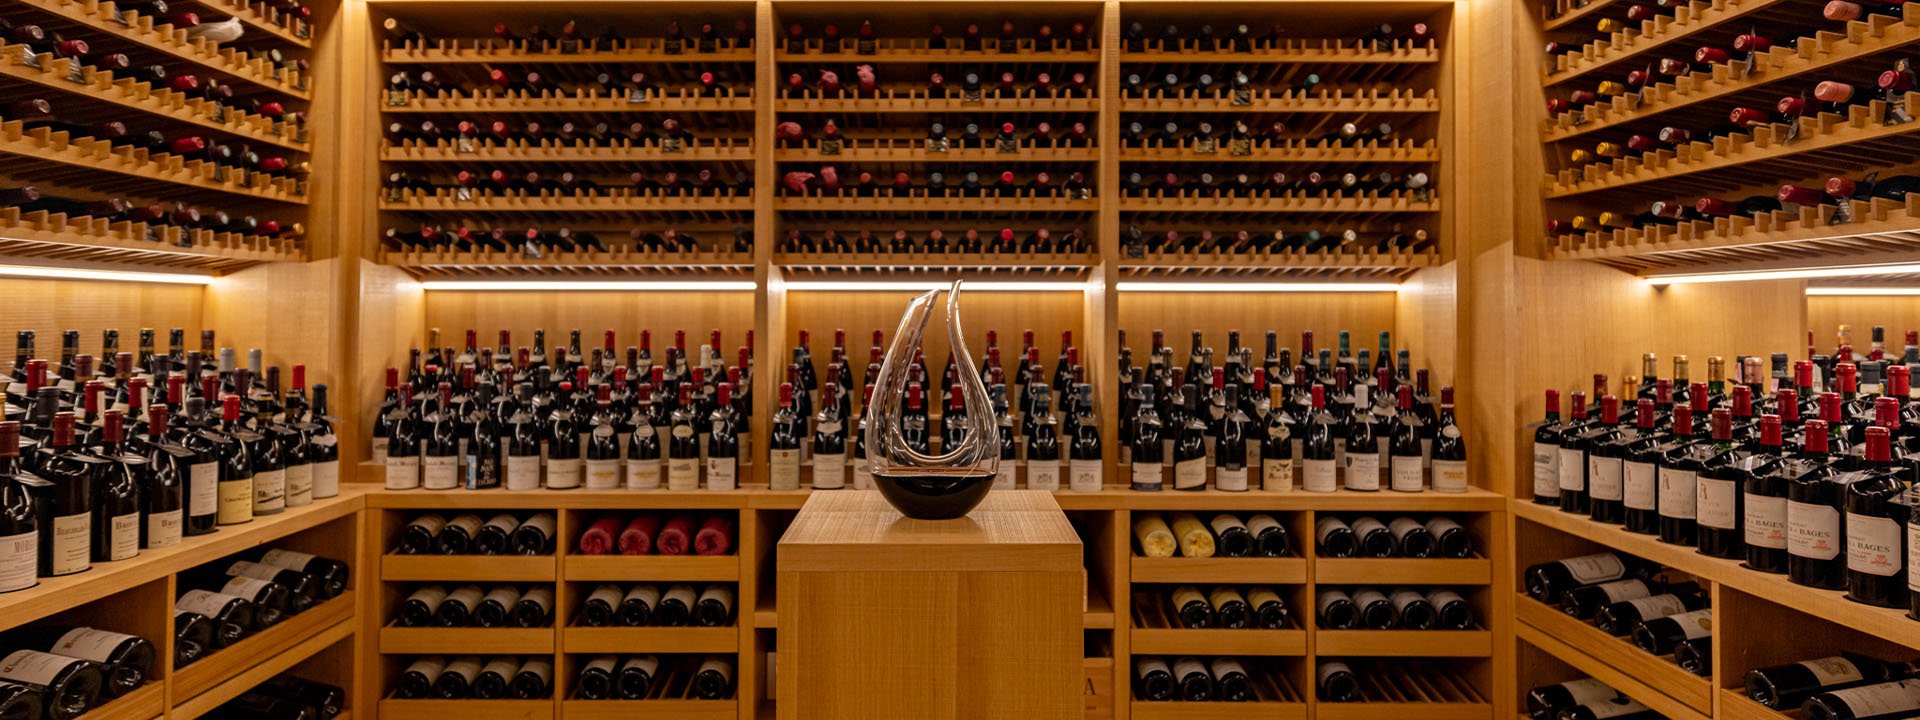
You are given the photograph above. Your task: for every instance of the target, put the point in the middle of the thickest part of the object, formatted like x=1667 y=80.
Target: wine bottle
x=303 y=590
x=1230 y=609
x=1337 y=683
x=637 y=605
x=456 y=609
x=66 y=501
x=328 y=700
x=595 y=681
x=1319 y=452
x=332 y=574
x=1784 y=687
x=417 y=681
x=1876 y=547
x=116 y=499
x=70 y=686
x=164 y=498
x=1192 y=608
x=491 y=683
x=236 y=488
x=1416 y=612
x=19 y=523
x=456 y=537
x=1269 y=536
x=635 y=678
x=1815 y=543
x=193 y=637
x=1452 y=610
x=1413 y=538
x=1619 y=707
x=534 y=679
x=530 y=609
x=714 y=679
x=417 y=610
x=598 y=609
x=1232 y=536
x=535 y=536
x=1373 y=538
x=1882 y=701
x=715 y=606
x=1152 y=679
x=1717 y=488
x=1546 y=701
x=1660 y=635
x=1546 y=582
x=1335 y=538
x=1620 y=618
x=456 y=679
x=675 y=607
x=1193 y=681
x=1584 y=601
x=1338 y=610
x=124 y=660
x=420 y=535
x=1269 y=611
x=1376 y=610
x=1547 y=438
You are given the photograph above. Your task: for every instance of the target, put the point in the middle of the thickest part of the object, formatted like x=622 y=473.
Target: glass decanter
x=936 y=487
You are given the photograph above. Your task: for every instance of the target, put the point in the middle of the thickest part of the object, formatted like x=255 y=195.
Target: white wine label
x=1623 y=590
x=643 y=474
x=1588 y=691
x=1408 y=475
x=466 y=595
x=326 y=479
x=19 y=561
x=1718 y=503
x=541 y=597
x=1874 y=545
x=1590 y=569
x=609 y=594
x=269 y=491
x=203 y=481
x=603 y=474
x=683 y=474
x=246 y=587
x=1084 y=475
x=523 y=472
x=722 y=594
x=1190 y=474
x=289 y=559
x=1005 y=477
x=1640 y=485
x=1230 y=479
x=1765 y=521
x=1328 y=669
x=1276 y=475
x=1187 y=666
x=403 y=473
x=563 y=474
x=783 y=469
x=644 y=663
x=1319 y=476
x=1363 y=471
x=1913 y=555
x=1696 y=624
x=723 y=473
x=262 y=571
x=829 y=471
x=89 y=644
x=1449 y=475
x=1147 y=476
x=1573 y=470
x=380 y=450
x=33 y=667
x=236 y=501
x=466 y=667
x=1813 y=531
x=1546 y=470
x=205 y=602
x=1833 y=671
x=440 y=473
x=124 y=534
x=1185 y=595
x=300 y=485
x=1617 y=706
x=1605 y=478
x=72 y=551
x=1045 y=474
x=1658 y=606
x=1679 y=497
x=505 y=666
x=1892 y=699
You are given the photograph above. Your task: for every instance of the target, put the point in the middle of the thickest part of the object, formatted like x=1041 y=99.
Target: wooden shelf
x=661 y=568
x=1578 y=14
x=1283 y=260
x=915 y=50
x=1099 y=613
x=396 y=640
x=469 y=709
x=1656 y=672
x=136 y=172
x=55 y=594
x=145 y=703
x=448 y=202
x=1320 y=50
x=502 y=499
x=1404 y=710
x=256 y=20
x=1292 y=202
x=227 y=673
x=933 y=204
x=651 y=639
x=1262 y=571
x=1164 y=641
x=1661 y=32
x=1336 y=100
x=453 y=51
x=575 y=102
x=1886 y=623
x=1115 y=498
x=1403 y=643
x=100 y=16
x=1427 y=571
x=1860 y=38
x=629 y=709
x=1617 y=677
x=102 y=88
x=916 y=152
x=1141 y=710
x=1735 y=705
x=472 y=568
x=104 y=242
x=915 y=101
x=554 y=152
x=1296 y=151
x=598 y=264
x=941 y=261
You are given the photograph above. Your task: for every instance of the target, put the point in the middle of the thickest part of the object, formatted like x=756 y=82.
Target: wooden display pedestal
x=881 y=616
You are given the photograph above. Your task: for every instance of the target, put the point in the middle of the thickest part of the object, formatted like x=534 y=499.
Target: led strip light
x=56 y=273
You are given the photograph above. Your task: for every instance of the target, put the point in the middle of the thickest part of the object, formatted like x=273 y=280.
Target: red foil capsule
x=1840 y=187
x=1747 y=117
x=1833 y=92
x=1751 y=43
x=1713 y=206
x=1798 y=195
x=1792 y=106
x=1642 y=143
x=1896 y=81
x=1710 y=55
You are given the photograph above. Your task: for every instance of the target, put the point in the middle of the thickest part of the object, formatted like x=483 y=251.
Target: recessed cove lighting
x=55 y=273
x=1792 y=274
x=1863 y=291
x=1255 y=287
x=589 y=285
x=917 y=286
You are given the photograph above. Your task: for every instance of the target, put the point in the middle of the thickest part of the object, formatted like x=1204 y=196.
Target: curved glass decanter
x=929 y=487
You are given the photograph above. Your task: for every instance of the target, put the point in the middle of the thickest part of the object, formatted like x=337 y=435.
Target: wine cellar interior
x=1490 y=202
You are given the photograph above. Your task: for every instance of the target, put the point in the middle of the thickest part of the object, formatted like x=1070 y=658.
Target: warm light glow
x=53 y=273
x=588 y=285
x=921 y=286
x=1794 y=274
x=1868 y=291
x=1254 y=287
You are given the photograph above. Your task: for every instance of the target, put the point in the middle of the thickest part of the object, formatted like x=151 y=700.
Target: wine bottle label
x=1007 y=475
x=465 y=596
x=603 y=663
x=1225 y=666
x=783 y=469
x=648 y=595
x=1045 y=474
x=683 y=474
x=722 y=594
x=1443 y=597
x=300 y=485
x=1230 y=479
x=72 y=548
x=1590 y=569
x=123 y=536
x=203 y=495
x=1448 y=475
x=428 y=667
x=19 y=561
x=723 y=473
x=1764 y=518
x=863 y=475
x=1874 y=545
x=643 y=663
x=1190 y=474
x=1913 y=555
x=1084 y=475
x=1588 y=691
x=1363 y=471
x=1408 y=475
x=1573 y=470
x=292 y=559
x=682 y=593
x=563 y=473
x=1402 y=526
x=1640 y=485
x=1147 y=476
x=236 y=501
x=326 y=479
x=829 y=471
x=607 y=594
x=205 y=602
x=504 y=666
x=32 y=667
x=1329 y=669
x=1831 y=671
x=1319 y=476
x=466 y=667
x=1892 y=699
x=1679 y=497
x=1658 y=606
x=1605 y=478
x=89 y=644
x=440 y=473
x=643 y=474
x=379 y=450
x=1148 y=665
x=1185 y=595
x=1617 y=706
x=1403 y=597
x=541 y=597
x=468 y=523
x=603 y=474
x=1718 y=503
x=523 y=472
x=1259 y=597
x=1188 y=666
x=269 y=491
x=1813 y=531
x=403 y=472
x=430 y=596
x=1546 y=470
x=246 y=587
x=1276 y=475
x=1696 y=624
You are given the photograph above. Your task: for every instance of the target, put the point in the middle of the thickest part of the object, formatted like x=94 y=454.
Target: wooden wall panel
x=860 y=313
x=1253 y=314
x=391 y=319
x=1427 y=321
x=48 y=307
x=1826 y=313
x=286 y=309
x=593 y=313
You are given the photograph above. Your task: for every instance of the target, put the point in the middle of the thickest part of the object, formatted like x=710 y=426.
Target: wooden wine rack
x=100 y=17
